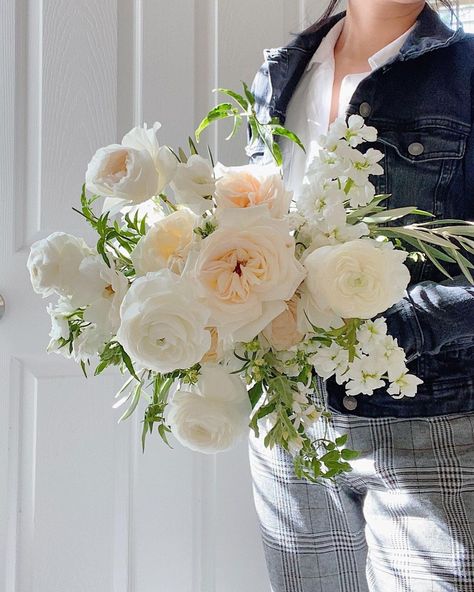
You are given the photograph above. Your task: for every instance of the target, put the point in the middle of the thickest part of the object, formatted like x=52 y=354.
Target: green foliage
x=244 y=107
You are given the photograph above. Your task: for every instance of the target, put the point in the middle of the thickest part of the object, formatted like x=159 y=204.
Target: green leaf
x=219 y=112
x=237 y=124
x=279 y=130
x=133 y=405
x=341 y=440
x=248 y=94
x=182 y=155
x=348 y=454
x=239 y=99
x=192 y=146
x=255 y=393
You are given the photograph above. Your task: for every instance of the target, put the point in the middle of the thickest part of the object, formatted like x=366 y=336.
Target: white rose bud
x=163 y=327
x=133 y=171
x=357 y=279
x=215 y=415
x=194 y=184
x=54 y=263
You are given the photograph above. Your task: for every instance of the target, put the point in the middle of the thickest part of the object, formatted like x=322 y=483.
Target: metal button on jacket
x=416 y=148
x=365 y=109
x=349 y=402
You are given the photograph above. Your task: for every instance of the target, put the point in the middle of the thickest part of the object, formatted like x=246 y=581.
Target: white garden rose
x=163 y=326
x=133 y=171
x=166 y=244
x=54 y=263
x=357 y=279
x=194 y=185
x=213 y=415
x=252 y=185
x=246 y=270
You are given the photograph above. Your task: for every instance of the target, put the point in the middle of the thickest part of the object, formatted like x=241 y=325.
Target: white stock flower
x=405 y=385
x=88 y=344
x=163 y=326
x=133 y=171
x=322 y=204
x=357 y=279
x=392 y=356
x=361 y=165
x=354 y=132
x=361 y=195
x=246 y=270
x=194 y=185
x=213 y=415
x=252 y=185
x=54 y=263
x=166 y=244
x=331 y=360
x=370 y=334
x=365 y=376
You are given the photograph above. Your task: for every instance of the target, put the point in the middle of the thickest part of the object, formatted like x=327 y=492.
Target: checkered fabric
x=401 y=521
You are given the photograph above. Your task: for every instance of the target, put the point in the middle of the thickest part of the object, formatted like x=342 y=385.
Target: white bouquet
x=223 y=297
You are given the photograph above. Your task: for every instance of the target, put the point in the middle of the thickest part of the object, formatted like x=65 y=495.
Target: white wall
x=81 y=509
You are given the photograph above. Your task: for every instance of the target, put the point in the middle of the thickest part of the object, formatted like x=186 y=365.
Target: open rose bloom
x=223 y=297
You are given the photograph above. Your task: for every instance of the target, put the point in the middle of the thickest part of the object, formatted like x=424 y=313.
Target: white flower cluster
x=378 y=359
x=220 y=263
x=338 y=178
x=64 y=265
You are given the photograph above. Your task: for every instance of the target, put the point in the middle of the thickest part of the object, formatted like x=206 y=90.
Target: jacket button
x=365 y=109
x=415 y=149
x=349 y=402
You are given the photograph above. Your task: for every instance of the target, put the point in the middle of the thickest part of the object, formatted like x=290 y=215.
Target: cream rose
x=166 y=244
x=54 y=263
x=213 y=416
x=194 y=184
x=282 y=333
x=133 y=171
x=252 y=185
x=357 y=279
x=163 y=326
x=246 y=270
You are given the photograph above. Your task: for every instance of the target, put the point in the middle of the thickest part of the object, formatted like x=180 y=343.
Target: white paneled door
x=81 y=509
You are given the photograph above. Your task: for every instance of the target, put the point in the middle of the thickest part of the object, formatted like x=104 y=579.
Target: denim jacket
x=421 y=103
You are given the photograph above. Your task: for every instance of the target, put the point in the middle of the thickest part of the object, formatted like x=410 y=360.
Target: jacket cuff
x=403 y=324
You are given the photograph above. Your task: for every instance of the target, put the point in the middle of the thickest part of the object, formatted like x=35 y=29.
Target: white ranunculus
x=252 y=185
x=246 y=270
x=133 y=171
x=214 y=415
x=103 y=291
x=357 y=279
x=163 y=326
x=54 y=263
x=194 y=184
x=166 y=244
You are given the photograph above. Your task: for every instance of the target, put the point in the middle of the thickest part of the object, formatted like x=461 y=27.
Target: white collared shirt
x=309 y=108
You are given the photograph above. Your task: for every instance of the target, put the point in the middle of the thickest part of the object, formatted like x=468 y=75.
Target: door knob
x=2 y=306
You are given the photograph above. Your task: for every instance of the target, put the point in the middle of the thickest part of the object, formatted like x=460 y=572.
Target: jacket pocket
x=421 y=159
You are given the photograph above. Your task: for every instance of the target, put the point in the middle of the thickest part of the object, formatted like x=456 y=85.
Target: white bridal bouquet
x=223 y=297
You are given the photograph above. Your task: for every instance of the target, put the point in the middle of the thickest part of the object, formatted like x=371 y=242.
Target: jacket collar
x=287 y=64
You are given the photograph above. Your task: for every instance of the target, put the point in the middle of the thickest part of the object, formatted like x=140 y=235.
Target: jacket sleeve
x=432 y=315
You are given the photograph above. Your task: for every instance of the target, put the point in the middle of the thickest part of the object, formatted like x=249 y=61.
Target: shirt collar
x=325 y=52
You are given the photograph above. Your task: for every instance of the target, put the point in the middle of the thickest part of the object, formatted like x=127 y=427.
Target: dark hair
x=333 y=4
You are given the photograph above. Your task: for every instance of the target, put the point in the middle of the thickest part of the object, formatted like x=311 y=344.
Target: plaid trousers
x=401 y=521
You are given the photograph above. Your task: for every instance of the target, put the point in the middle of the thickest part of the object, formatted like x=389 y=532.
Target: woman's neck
x=371 y=25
